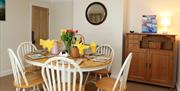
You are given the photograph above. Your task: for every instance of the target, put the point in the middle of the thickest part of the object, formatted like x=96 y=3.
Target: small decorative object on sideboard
x=131 y=31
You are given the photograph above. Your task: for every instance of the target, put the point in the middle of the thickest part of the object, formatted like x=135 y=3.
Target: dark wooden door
x=40 y=24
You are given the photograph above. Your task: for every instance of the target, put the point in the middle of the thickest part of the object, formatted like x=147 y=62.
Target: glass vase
x=68 y=46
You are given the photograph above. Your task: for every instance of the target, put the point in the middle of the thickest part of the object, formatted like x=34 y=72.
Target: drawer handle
x=146 y=65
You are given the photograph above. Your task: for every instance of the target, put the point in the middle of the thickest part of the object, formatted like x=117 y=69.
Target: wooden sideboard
x=154 y=58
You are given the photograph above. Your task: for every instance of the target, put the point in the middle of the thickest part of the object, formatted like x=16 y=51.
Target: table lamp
x=165 y=22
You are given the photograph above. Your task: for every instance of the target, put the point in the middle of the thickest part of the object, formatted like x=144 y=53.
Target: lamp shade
x=165 y=21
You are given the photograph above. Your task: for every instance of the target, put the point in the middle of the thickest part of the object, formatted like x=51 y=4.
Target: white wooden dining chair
x=60 y=74
x=24 y=48
x=23 y=80
x=106 y=50
x=109 y=84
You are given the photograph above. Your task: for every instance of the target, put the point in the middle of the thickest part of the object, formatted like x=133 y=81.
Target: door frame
x=30 y=17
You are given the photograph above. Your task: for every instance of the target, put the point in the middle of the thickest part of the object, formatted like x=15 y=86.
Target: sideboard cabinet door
x=138 y=66
x=160 y=67
x=154 y=58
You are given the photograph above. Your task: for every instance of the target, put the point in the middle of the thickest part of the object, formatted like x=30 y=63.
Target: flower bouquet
x=66 y=37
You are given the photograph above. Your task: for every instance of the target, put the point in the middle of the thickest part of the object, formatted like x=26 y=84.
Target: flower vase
x=75 y=52
x=68 y=46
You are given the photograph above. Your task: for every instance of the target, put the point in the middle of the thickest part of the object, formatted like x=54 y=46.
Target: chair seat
x=30 y=69
x=106 y=84
x=102 y=72
x=33 y=79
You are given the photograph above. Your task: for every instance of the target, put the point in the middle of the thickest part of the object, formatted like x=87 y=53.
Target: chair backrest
x=24 y=48
x=19 y=75
x=59 y=74
x=106 y=50
x=123 y=74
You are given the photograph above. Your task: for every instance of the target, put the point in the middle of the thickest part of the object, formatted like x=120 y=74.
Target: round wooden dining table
x=86 y=64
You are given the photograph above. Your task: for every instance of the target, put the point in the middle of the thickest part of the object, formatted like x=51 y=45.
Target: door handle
x=149 y=66
x=146 y=65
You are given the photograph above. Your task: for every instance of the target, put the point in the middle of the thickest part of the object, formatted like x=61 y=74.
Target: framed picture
x=149 y=24
x=2 y=10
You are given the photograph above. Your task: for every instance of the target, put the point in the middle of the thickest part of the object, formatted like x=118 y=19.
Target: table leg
x=86 y=78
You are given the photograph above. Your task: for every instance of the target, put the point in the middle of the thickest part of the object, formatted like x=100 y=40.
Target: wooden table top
x=86 y=63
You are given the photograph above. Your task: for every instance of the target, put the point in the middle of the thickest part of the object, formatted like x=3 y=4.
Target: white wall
x=0 y=47
x=41 y=3
x=61 y=16
x=178 y=71
x=15 y=29
x=137 y=8
x=109 y=32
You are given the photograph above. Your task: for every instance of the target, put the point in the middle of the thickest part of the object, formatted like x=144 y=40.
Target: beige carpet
x=6 y=85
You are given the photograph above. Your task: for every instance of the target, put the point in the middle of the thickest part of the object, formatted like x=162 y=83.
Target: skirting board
x=5 y=73
x=178 y=87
